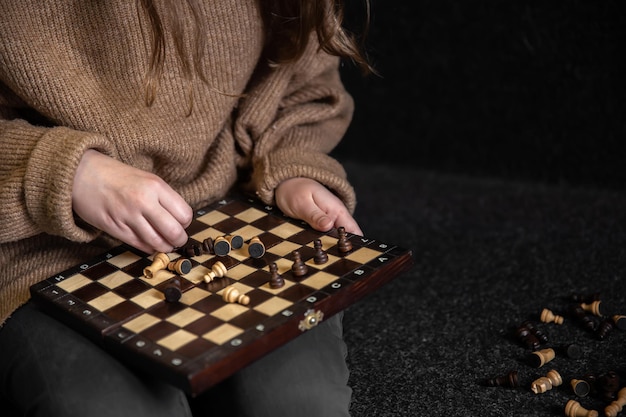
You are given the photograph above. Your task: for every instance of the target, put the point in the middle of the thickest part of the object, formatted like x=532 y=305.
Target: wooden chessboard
x=199 y=340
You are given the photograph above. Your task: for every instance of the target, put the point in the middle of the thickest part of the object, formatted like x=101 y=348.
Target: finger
x=163 y=227
x=318 y=219
x=178 y=209
x=347 y=221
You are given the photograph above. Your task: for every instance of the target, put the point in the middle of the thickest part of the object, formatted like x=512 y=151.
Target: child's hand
x=308 y=200
x=132 y=205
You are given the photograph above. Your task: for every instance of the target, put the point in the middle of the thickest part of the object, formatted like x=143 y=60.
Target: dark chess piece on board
x=172 y=291
x=343 y=243
x=320 y=256
x=509 y=380
x=276 y=281
x=299 y=268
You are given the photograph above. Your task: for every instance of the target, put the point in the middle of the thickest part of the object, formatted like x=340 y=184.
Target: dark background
x=491 y=145
x=522 y=89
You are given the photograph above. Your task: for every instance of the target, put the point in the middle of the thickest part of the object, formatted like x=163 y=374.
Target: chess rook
x=232 y=295
x=574 y=409
x=218 y=270
x=160 y=262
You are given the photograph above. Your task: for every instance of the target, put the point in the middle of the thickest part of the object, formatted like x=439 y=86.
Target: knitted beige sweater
x=71 y=78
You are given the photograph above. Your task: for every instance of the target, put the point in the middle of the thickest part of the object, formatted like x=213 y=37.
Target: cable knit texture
x=72 y=78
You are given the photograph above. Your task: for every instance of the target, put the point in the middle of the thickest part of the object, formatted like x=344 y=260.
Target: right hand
x=134 y=206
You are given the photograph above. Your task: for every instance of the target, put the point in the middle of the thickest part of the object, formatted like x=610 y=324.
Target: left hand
x=308 y=200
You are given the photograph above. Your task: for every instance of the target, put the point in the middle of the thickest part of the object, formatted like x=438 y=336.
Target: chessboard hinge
x=311 y=319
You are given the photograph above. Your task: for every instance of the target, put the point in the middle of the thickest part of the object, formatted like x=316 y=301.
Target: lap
x=48 y=369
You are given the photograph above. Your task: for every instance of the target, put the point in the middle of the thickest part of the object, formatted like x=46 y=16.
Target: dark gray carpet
x=489 y=254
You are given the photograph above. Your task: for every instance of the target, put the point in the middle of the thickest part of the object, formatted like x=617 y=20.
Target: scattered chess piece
x=547 y=316
x=546 y=383
x=276 y=281
x=574 y=409
x=343 y=244
x=594 y=308
x=527 y=338
x=613 y=409
x=607 y=385
x=256 y=249
x=620 y=321
x=181 y=266
x=583 y=318
x=232 y=295
x=159 y=262
x=540 y=357
x=218 y=270
x=535 y=331
x=509 y=380
x=320 y=256
x=299 y=268
x=571 y=350
x=585 y=298
x=605 y=327
x=172 y=291
x=580 y=387
x=207 y=246
x=191 y=250
x=235 y=241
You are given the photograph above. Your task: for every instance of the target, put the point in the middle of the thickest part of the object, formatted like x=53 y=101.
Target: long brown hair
x=288 y=25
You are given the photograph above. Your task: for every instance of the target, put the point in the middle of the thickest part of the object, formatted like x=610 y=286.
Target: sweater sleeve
x=37 y=169
x=291 y=120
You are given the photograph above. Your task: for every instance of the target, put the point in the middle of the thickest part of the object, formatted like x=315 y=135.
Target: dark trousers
x=47 y=369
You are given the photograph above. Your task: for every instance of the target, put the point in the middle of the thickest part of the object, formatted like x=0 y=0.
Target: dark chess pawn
x=535 y=331
x=528 y=339
x=509 y=380
x=320 y=257
x=299 y=268
x=605 y=327
x=276 y=281
x=343 y=243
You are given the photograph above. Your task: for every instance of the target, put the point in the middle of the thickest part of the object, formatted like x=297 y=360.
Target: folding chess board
x=201 y=339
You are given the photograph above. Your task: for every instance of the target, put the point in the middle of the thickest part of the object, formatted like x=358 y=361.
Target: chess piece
x=585 y=320
x=181 y=266
x=343 y=244
x=207 y=246
x=605 y=327
x=320 y=256
x=236 y=241
x=525 y=336
x=159 y=262
x=607 y=385
x=276 y=281
x=571 y=350
x=593 y=308
x=585 y=298
x=541 y=357
x=613 y=409
x=172 y=291
x=299 y=268
x=218 y=270
x=547 y=316
x=232 y=295
x=580 y=387
x=546 y=383
x=535 y=331
x=620 y=321
x=256 y=249
x=509 y=380
x=221 y=246
x=191 y=250
x=574 y=409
